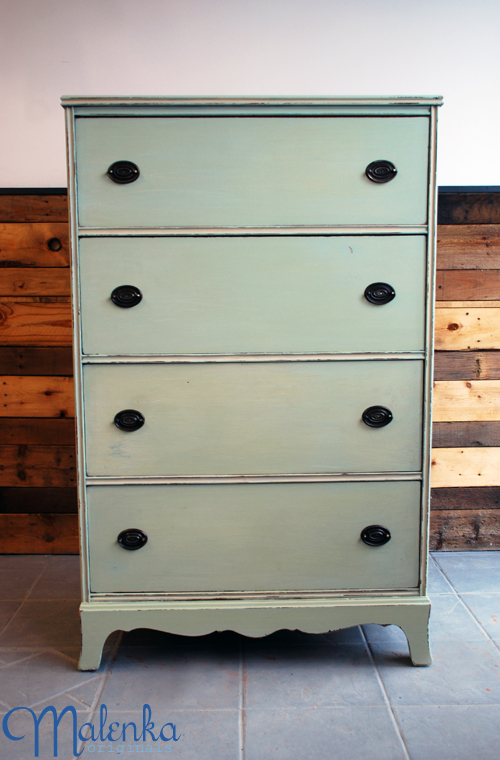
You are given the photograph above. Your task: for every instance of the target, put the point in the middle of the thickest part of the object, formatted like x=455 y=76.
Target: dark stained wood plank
x=469 y=208
x=465 y=434
x=467 y=365
x=33 y=208
x=39 y=500
x=468 y=246
x=468 y=285
x=31 y=360
x=36 y=396
x=30 y=244
x=38 y=534
x=465 y=498
x=37 y=465
x=469 y=530
x=35 y=321
x=50 y=432
x=24 y=281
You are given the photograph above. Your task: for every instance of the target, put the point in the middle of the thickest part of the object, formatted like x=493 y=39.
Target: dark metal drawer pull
x=377 y=416
x=132 y=539
x=129 y=420
x=375 y=535
x=123 y=172
x=126 y=296
x=381 y=171
x=379 y=293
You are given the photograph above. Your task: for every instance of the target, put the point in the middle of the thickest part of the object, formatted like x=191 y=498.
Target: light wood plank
x=477 y=529
x=468 y=246
x=464 y=329
x=465 y=467
x=36 y=396
x=32 y=322
x=41 y=466
x=38 y=534
x=19 y=281
x=26 y=244
x=467 y=304
x=33 y=208
x=457 y=400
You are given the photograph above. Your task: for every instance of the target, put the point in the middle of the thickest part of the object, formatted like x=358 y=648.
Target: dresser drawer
x=253 y=417
x=251 y=172
x=258 y=537
x=252 y=294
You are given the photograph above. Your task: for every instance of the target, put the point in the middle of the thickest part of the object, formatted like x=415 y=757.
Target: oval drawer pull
x=381 y=171
x=132 y=539
x=379 y=293
x=129 y=420
x=126 y=296
x=375 y=535
x=377 y=416
x=123 y=172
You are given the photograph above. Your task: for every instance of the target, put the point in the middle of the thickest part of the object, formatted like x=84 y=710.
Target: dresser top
x=153 y=100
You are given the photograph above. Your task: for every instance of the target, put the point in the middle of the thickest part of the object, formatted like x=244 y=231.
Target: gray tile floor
x=345 y=695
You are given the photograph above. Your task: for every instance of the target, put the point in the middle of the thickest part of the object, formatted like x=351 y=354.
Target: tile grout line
x=241 y=705
x=386 y=697
x=439 y=569
x=28 y=592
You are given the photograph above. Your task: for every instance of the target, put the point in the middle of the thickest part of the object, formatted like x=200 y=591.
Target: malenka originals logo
x=102 y=738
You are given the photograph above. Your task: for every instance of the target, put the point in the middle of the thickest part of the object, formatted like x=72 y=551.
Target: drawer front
x=245 y=418
x=300 y=536
x=213 y=172
x=243 y=295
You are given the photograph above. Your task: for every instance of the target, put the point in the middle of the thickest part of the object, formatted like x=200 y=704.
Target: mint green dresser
x=253 y=302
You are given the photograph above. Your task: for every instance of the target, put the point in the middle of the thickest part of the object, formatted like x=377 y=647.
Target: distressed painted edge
x=217 y=358
x=298 y=231
x=345 y=477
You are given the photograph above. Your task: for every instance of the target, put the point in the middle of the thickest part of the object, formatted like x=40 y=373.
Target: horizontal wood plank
x=466 y=498
x=38 y=534
x=51 y=432
x=474 y=530
x=39 y=500
x=471 y=284
x=461 y=401
x=467 y=304
x=468 y=208
x=36 y=396
x=468 y=434
x=29 y=244
x=37 y=465
x=467 y=365
x=19 y=281
x=34 y=360
x=465 y=467
x=467 y=329
x=33 y=208
x=33 y=322
x=468 y=246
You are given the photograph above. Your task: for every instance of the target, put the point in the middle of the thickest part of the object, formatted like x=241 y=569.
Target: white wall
x=248 y=47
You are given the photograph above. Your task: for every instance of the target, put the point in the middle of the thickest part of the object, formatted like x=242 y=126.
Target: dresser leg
x=94 y=635
x=416 y=630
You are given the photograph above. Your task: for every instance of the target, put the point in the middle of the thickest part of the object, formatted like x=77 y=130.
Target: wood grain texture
x=469 y=208
x=460 y=401
x=34 y=208
x=474 y=530
x=467 y=329
x=26 y=244
x=36 y=396
x=459 y=434
x=38 y=534
x=22 y=281
x=31 y=360
x=471 y=284
x=51 y=432
x=467 y=365
x=465 y=467
x=466 y=498
x=37 y=465
x=468 y=246
x=51 y=500
x=33 y=321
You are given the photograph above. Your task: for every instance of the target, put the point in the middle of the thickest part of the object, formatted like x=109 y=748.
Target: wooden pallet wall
x=38 y=503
